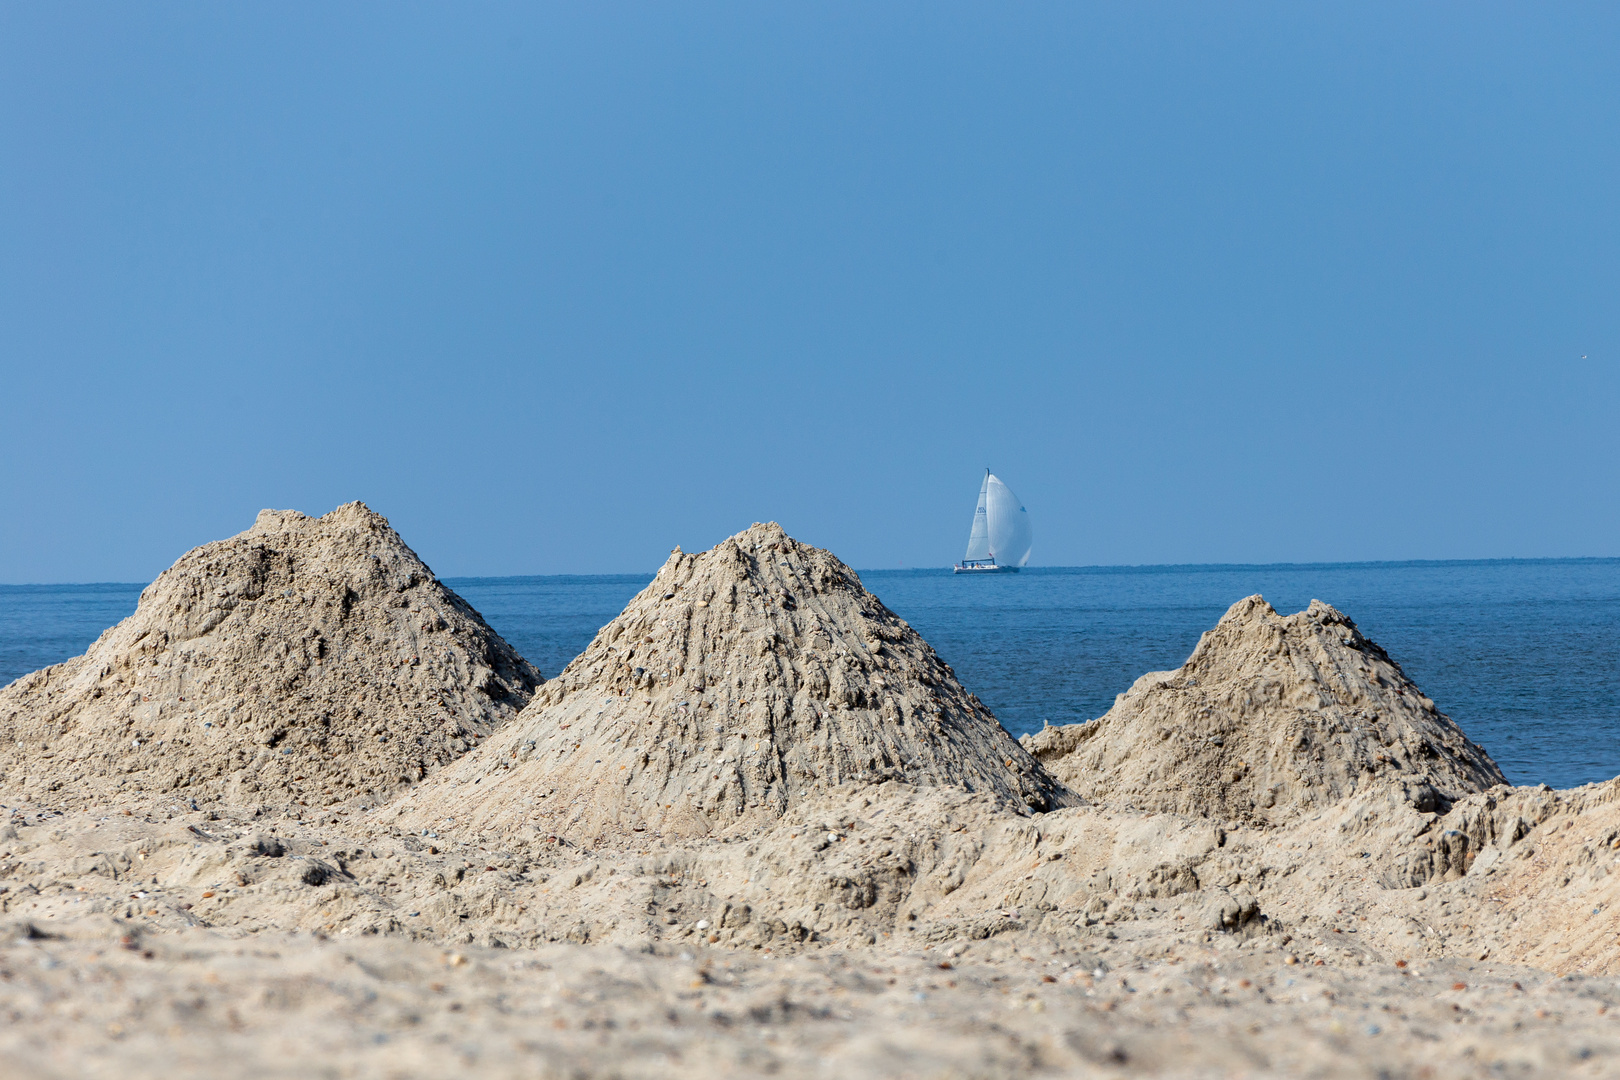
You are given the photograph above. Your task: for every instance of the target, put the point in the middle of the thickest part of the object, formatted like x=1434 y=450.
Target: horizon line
x=1090 y=568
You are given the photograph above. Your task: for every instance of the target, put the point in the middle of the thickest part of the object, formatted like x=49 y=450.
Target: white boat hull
x=983 y=566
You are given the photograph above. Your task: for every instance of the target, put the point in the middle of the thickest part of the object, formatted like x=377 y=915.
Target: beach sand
x=781 y=839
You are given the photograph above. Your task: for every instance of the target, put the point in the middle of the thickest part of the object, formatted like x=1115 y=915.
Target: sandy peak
x=305 y=656
x=741 y=680
x=1270 y=716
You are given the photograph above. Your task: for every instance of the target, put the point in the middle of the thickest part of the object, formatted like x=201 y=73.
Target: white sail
x=979 y=538
x=1007 y=524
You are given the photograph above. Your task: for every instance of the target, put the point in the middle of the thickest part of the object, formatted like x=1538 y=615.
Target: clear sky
x=557 y=287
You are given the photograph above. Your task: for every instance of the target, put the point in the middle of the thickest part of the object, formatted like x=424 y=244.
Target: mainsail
x=1000 y=526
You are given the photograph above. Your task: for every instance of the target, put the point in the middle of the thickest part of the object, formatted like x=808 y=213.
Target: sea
x=1523 y=653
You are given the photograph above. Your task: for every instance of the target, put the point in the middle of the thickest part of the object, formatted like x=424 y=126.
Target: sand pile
x=1269 y=717
x=741 y=680
x=312 y=657
x=1531 y=871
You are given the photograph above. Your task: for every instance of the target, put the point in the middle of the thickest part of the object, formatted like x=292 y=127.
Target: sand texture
x=198 y=1004
x=758 y=827
x=1269 y=717
x=741 y=681
x=306 y=657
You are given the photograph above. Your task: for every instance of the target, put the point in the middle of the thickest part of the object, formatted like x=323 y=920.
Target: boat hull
x=984 y=566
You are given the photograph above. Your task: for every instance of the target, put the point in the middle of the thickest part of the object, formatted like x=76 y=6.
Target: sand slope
x=304 y=657
x=742 y=680
x=1269 y=717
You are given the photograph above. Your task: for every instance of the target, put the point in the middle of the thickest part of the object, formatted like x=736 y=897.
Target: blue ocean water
x=42 y=625
x=1524 y=654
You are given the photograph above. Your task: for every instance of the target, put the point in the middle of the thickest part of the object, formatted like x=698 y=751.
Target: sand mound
x=740 y=680
x=1269 y=717
x=312 y=656
x=1530 y=869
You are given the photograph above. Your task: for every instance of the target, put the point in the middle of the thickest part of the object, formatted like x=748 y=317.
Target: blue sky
x=557 y=287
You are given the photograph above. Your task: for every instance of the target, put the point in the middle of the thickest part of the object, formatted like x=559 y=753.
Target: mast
x=979 y=539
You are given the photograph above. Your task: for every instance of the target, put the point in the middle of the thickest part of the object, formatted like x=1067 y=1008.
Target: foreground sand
x=197 y=1003
x=185 y=943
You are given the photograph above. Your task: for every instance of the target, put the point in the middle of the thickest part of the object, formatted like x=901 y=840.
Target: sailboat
x=1001 y=537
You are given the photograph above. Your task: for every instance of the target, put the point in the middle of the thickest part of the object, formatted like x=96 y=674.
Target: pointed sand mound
x=312 y=656
x=1269 y=716
x=740 y=680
